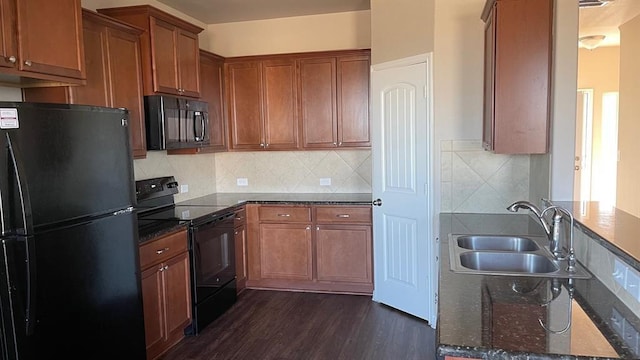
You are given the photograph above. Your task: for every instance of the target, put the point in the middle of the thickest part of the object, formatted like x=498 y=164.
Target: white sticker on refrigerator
x=9 y=118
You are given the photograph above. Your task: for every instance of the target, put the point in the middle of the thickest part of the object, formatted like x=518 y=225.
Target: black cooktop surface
x=187 y=213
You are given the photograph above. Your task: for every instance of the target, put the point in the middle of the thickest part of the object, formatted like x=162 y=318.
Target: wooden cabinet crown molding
x=150 y=11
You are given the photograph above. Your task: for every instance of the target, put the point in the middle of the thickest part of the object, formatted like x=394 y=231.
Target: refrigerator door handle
x=27 y=222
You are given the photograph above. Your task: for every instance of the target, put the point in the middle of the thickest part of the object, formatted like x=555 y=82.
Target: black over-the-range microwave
x=175 y=123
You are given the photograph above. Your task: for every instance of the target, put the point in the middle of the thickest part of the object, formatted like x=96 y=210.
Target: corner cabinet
x=170 y=50
x=35 y=47
x=166 y=291
x=517 y=73
x=113 y=72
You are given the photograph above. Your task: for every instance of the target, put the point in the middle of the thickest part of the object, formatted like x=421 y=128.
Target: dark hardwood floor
x=293 y=325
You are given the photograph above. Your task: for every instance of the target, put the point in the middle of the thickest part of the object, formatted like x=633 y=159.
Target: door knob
x=377 y=202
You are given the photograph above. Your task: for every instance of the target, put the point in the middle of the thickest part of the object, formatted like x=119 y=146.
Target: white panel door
x=404 y=249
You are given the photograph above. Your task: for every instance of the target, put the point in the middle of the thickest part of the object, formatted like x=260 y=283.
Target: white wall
x=346 y=30
x=628 y=197
x=401 y=28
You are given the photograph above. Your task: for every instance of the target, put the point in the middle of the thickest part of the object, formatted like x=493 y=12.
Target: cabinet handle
x=318 y=228
x=342 y=216
x=239 y=218
x=335 y=144
x=309 y=227
x=261 y=144
x=284 y=215
x=236 y=233
x=12 y=59
x=163 y=268
x=160 y=251
x=27 y=62
x=266 y=145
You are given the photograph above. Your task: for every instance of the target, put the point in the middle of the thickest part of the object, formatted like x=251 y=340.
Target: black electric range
x=211 y=245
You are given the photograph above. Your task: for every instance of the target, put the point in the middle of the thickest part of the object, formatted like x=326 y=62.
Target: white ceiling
x=222 y=11
x=605 y=20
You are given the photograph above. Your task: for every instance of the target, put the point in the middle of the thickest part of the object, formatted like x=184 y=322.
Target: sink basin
x=508 y=255
x=497 y=242
x=507 y=262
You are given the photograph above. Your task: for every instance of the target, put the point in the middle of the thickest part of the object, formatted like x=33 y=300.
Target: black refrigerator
x=69 y=268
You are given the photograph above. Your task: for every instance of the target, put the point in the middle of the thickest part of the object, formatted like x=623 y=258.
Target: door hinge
x=435 y=299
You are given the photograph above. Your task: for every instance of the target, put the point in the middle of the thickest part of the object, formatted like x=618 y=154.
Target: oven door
x=212 y=256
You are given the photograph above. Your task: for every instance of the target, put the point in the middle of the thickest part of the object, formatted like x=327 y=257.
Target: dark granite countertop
x=234 y=199
x=613 y=228
x=151 y=234
x=496 y=317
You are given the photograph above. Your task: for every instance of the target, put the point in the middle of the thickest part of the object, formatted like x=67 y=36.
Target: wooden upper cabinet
x=50 y=37
x=114 y=74
x=279 y=99
x=353 y=101
x=212 y=83
x=318 y=103
x=8 y=45
x=244 y=85
x=334 y=101
x=262 y=104
x=42 y=40
x=518 y=55
x=170 y=50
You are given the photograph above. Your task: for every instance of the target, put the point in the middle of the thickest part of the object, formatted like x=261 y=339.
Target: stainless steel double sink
x=507 y=255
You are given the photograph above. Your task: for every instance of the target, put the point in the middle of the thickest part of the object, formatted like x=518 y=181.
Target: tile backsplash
x=349 y=171
x=477 y=181
x=196 y=171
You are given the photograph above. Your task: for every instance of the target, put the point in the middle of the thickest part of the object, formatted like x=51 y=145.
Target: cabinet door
x=241 y=256
x=317 y=103
x=279 y=99
x=285 y=251
x=353 y=101
x=489 y=66
x=153 y=307
x=245 y=108
x=211 y=77
x=8 y=47
x=188 y=54
x=164 y=58
x=344 y=253
x=96 y=91
x=178 y=294
x=126 y=84
x=51 y=47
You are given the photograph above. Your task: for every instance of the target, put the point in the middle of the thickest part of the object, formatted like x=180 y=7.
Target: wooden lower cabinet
x=285 y=251
x=310 y=248
x=343 y=253
x=166 y=292
x=240 y=240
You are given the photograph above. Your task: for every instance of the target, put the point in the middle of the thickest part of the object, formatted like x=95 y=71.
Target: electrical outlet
x=242 y=182
x=632 y=283
x=325 y=181
x=619 y=272
x=617 y=321
x=184 y=188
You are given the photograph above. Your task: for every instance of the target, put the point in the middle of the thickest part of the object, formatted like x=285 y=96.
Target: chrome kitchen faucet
x=553 y=231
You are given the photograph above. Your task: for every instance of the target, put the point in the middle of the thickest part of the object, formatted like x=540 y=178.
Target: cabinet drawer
x=343 y=214
x=240 y=217
x=156 y=251
x=285 y=213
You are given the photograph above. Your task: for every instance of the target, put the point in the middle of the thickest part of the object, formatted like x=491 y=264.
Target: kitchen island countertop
x=496 y=317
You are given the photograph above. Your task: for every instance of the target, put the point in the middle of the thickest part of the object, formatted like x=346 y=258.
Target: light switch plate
x=242 y=182
x=184 y=188
x=325 y=181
